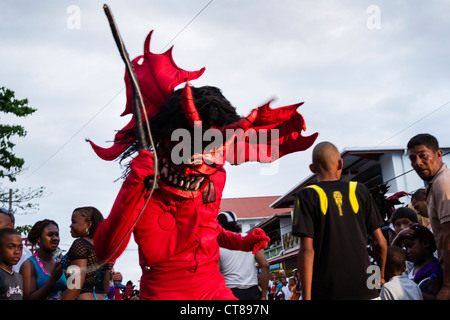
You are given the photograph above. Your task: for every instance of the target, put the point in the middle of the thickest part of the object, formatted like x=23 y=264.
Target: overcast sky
x=371 y=73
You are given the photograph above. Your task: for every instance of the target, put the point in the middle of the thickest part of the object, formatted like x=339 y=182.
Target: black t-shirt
x=11 y=285
x=339 y=222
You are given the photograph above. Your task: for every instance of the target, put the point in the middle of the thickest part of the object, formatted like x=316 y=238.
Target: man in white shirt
x=238 y=267
x=285 y=289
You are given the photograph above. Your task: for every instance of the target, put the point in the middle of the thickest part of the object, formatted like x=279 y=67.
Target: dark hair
x=38 y=228
x=425 y=139
x=223 y=219
x=6 y=232
x=213 y=108
x=419 y=195
x=9 y=214
x=396 y=258
x=404 y=212
x=423 y=234
x=93 y=215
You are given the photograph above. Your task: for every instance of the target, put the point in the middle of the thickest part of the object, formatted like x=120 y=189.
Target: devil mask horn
x=188 y=105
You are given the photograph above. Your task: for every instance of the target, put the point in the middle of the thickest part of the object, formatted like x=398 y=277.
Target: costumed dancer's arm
x=254 y=241
x=111 y=237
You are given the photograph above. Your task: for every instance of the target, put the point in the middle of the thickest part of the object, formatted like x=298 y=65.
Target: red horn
x=187 y=103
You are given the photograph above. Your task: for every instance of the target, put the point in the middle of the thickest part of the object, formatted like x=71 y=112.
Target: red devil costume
x=176 y=228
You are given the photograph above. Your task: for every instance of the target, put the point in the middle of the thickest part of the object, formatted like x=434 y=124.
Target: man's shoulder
x=441 y=182
x=443 y=176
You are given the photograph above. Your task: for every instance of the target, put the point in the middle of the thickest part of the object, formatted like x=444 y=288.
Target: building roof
x=273 y=219
x=251 y=207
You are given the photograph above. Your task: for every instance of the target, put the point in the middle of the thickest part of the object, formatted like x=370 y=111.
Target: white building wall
x=398 y=166
x=411 y=179
x=248 y=223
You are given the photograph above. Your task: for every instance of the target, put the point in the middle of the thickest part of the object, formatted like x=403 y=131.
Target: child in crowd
x=398 y=286
x=10 y=253
x=279 y=295
x=401 y=218
x=273 y=289
x=419 y=203
x=295 y=292
x=423 y=268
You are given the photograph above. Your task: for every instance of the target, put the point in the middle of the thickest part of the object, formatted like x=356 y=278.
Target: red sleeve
x=254 y=241
x=113 y=234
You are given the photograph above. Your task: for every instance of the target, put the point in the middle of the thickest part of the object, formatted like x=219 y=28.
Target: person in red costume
x=175 y=225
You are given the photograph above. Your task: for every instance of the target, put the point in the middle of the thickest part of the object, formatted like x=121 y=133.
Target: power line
x=109 y=102
x=74 y=135
x=414 y=123
x=406 y=172
x=192 y=20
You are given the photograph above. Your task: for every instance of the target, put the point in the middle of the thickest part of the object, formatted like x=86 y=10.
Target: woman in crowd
x=89 y=279
x=42 y=274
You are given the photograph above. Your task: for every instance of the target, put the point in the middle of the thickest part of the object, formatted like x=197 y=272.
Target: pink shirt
x=438 y=206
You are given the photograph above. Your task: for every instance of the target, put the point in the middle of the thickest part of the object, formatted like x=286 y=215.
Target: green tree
x=10 y=164
x=24 y=230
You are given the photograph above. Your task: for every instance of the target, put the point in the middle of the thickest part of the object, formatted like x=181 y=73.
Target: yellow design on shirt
x=337 y=195
x=352 y=196
x=322 y=196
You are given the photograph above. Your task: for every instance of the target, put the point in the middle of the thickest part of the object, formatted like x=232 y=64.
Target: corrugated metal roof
x=251 y=207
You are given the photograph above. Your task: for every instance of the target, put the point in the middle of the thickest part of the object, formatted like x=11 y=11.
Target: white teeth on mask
x=165 y=171
x=196 y=184
x=188 y=183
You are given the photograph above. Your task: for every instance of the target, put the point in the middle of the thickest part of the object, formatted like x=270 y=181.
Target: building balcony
x=273 y=252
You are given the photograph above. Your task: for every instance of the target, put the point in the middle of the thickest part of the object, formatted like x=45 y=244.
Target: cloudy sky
x=371 y=73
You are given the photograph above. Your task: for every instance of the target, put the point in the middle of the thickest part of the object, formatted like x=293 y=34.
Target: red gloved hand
x=142 y=164
x=258 y=238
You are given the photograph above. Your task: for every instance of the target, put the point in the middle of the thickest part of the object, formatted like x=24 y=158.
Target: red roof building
x=251 y=207
x=251 y=211
x=255 y=211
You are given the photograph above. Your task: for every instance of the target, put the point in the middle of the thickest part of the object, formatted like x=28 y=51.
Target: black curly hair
x=214 y=109
x=426 y=139
x=93 y=215
x=425 y=235
x=38 y=227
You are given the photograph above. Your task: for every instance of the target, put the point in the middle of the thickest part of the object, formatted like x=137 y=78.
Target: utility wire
x=402 y=174
x=73 y=136
x=192 y=20
x=109 y=102
x=414 y=123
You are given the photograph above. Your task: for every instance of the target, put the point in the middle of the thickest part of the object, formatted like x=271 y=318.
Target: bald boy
x=332 y=219
x=326 y=162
